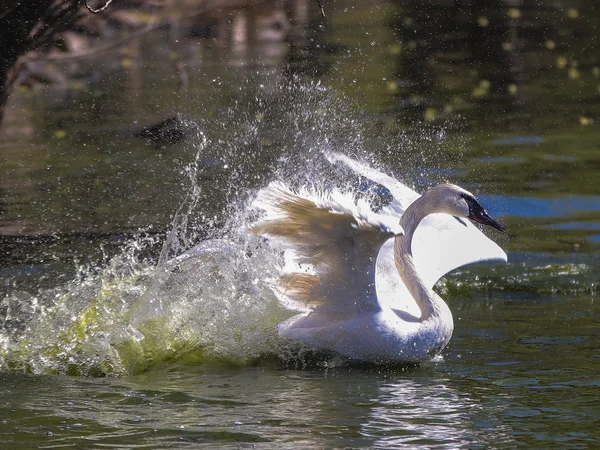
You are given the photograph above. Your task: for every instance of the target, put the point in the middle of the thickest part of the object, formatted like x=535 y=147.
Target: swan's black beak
x=478 y=214
x=483 y=217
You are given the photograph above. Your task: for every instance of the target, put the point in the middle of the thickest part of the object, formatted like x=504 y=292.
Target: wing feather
x=332 y=243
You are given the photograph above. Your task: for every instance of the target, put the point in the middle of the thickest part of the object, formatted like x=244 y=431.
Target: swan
x=363 y=280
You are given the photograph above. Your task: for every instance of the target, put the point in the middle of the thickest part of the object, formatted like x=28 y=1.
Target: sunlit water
x=110 y=338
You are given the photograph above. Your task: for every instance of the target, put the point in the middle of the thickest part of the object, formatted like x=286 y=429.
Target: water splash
x=207 y=296
x=133 y=315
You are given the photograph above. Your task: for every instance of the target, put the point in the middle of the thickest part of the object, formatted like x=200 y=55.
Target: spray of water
x=207 y=295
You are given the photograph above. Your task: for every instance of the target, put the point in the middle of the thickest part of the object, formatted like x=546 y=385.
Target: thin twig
x=320 y=7
x=96 y=11
x=104 y=48
x=10 y=9
x=51 y=25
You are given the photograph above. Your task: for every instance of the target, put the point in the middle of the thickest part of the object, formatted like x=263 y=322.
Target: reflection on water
x=297 y=409
x=500 y=97
x=483 y=403
x=413 y=413
x=72 y=163
x=482 y=59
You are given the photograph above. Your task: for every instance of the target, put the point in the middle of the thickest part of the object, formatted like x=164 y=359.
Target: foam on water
x=132 y=315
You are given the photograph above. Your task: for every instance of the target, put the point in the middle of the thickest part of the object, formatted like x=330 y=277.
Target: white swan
x=363 y=279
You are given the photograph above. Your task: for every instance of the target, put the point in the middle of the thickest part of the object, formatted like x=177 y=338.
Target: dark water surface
x=105 y=344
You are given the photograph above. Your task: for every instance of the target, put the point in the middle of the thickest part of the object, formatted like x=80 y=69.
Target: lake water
x=106 y=342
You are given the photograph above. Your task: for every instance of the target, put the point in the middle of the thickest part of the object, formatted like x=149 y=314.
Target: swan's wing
x=440 y=244
x=403 y=195
x=332 y=244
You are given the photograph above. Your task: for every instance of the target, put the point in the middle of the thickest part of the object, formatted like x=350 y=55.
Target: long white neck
x=428 y=302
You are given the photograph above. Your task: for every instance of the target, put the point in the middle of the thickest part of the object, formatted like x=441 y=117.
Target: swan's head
x=456 y=201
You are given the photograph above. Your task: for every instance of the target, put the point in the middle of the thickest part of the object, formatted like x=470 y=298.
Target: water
x=105 y=341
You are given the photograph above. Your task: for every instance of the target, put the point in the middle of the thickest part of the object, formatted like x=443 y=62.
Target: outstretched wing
x=440 y=244
x=402 y=194
x=332 y=242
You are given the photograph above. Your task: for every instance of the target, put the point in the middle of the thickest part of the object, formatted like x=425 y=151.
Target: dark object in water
x=169 y=131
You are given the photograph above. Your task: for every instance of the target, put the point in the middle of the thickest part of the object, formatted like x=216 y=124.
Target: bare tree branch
x=96 y=11
x=104 y=48
x=9 y=9
x=320 y=7
x=54 y=22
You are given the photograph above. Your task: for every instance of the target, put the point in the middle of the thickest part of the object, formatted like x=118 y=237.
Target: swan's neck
x=428 y=302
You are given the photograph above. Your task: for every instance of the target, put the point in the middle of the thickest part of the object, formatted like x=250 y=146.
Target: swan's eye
x=475 y=208
x=472 y=202
x=469 y=198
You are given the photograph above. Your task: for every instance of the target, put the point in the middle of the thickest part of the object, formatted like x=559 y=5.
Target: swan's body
x=364 y=279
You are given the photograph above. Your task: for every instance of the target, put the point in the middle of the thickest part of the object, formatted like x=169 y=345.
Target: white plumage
x=364 y=279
